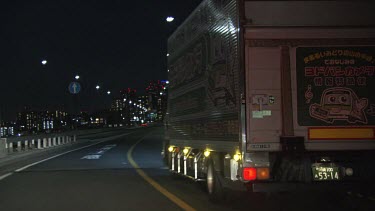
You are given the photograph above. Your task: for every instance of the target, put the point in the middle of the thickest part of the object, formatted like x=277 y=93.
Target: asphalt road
x=127 y=173
x=101 y=177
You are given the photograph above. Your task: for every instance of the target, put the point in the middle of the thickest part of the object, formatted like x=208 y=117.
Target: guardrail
x=45 y=141
x=20 y=144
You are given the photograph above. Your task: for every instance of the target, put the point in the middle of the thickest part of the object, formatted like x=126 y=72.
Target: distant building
x=143 y=112
x=129 y=100
x=38 y=121
x=116 y=111
x=6 y=129
x=82 y=120
x=129 y=94
x=99 y=118
x=129 y=109
x=157 y=92
x=117 y=104
x=60 y=119
x=29 y=121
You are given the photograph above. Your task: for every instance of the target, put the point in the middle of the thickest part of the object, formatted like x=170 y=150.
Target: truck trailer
x=271 y=96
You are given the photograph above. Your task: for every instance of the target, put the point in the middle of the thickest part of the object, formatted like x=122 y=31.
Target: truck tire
x=166 y=153
x=215 y=189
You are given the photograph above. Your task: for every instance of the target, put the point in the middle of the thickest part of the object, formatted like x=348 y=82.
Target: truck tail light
x=249 y=173
x=263 y=173
x=256 y=173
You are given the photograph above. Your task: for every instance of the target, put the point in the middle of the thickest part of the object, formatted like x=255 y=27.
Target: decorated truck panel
x=335 y=86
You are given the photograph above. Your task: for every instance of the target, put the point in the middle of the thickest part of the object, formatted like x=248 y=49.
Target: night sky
x=114 y=43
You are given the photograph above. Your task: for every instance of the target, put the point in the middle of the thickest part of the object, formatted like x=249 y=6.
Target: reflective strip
x=341 y=133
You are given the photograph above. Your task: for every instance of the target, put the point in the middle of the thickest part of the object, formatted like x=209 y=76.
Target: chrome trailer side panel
x=204 y=90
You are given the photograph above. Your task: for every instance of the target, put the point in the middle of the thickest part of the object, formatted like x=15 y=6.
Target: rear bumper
x=295 y=187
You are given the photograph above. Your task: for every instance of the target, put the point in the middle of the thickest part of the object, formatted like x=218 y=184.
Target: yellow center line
x=154 y=184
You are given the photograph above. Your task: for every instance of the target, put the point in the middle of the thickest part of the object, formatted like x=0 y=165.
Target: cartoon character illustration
x=340 y=103
x=221 y=86
x=371 y=110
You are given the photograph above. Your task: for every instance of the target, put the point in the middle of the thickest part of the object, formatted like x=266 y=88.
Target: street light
x=97 y=87
x=76 y=77
x=44 y=62
x=170 y=19
x=109 y=92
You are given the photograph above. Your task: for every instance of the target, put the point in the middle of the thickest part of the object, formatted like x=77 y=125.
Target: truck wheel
x=215 y=189
x=166 y=153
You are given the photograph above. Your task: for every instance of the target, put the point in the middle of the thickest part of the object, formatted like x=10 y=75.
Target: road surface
x=127 y=173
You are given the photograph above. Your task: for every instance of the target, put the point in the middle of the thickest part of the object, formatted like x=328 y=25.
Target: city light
x=170 y=19
x=140 y=108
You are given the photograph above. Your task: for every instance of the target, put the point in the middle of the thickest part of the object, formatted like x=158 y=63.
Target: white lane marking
x=108 y=147
x=5 y=176
x=97 y=155
x=91 y=157
x=33 y=164
x=111 y=145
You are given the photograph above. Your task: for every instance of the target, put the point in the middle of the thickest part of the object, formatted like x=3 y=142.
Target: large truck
x=273 y=95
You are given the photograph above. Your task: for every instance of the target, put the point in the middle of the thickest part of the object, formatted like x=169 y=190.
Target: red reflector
x=249 y=173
